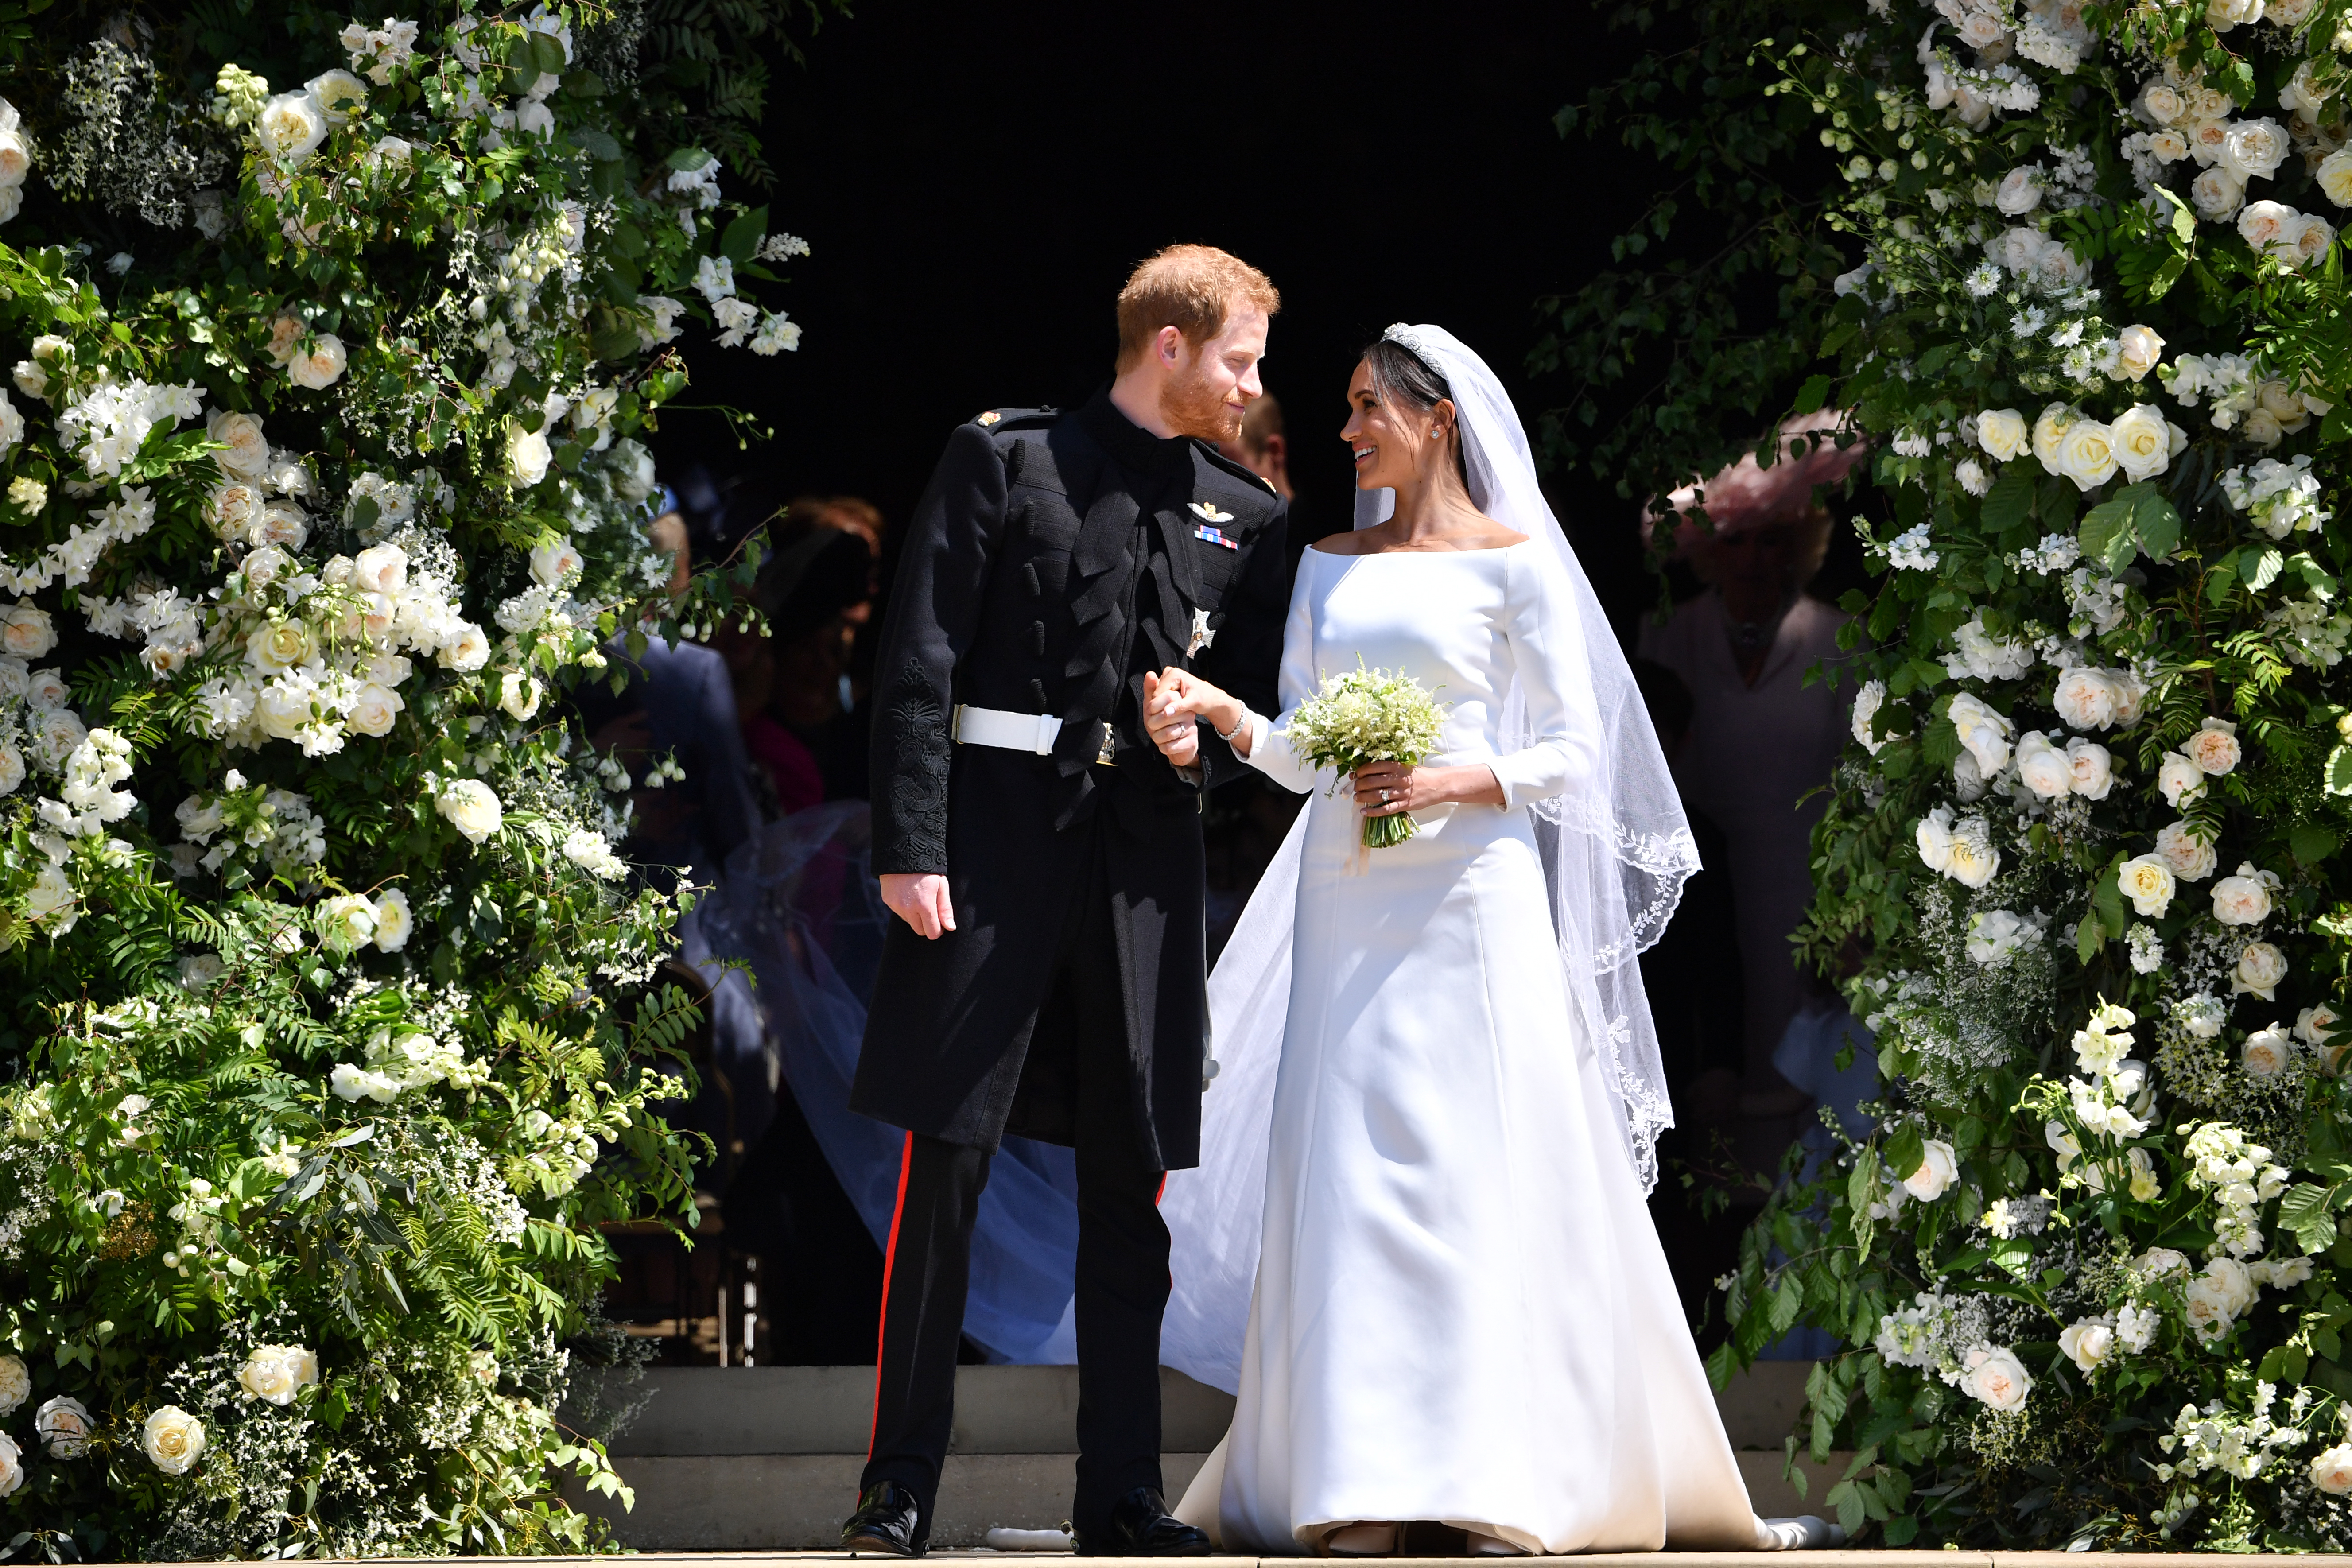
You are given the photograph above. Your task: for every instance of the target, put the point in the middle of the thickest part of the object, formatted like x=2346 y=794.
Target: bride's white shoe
x=1806 y=1533
x=1361 y=1541
x=1485 y=1545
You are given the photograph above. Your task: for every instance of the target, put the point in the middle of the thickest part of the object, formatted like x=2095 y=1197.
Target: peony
x=25 y=631
x=2139 y=349
x=2331 y=1471
x=2260 y=969
x=2242 y=899
x=2191 y=858
x=471 y=808
x=2093 y=767
x=2002 y=432
x=2214 y=747
x=290 y=127
x=2179 y=779
x=1993 y=1373
x=2142 y=442
x=393 y=921
x=2088 y=1342
x=63 y=1426
x=16 y=1384
x=2042 y=767
x=320 y=366
x=2086 y=454
x=2086 y=698
x=1939 y=1167
x=528 y=455
x=373 y=707
x=277 y=1372
x=173 y=1440
x=2267 y=1052
x=2147 y=882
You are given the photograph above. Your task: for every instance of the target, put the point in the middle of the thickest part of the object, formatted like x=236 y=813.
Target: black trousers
x=1122 y=1265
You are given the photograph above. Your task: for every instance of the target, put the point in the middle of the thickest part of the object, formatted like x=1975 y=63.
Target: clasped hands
x=1175 y=701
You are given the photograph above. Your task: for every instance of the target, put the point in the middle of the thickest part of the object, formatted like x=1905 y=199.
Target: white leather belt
x=1014 y=731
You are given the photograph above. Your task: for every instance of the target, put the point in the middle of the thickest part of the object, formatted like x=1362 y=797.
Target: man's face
x=1208 y=389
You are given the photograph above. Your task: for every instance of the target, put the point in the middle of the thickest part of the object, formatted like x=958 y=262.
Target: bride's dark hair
x=1402 y=378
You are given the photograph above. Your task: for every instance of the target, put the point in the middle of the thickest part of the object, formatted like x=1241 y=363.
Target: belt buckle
x=1110 y=737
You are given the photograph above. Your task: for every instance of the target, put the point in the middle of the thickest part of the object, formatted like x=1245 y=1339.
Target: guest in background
x=1760 y=740
x=1262 y=447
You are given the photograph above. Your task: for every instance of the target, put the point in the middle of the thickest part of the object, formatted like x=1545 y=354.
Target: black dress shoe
x=884 y=1524
x=1141 y=1526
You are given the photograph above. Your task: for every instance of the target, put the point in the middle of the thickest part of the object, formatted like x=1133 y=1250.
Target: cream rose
x=2270 y=227
x=280 y=646
x=2093 y=767
x=1994 y=1376
x=2191 y=857
x=554 y=562
x=16 y=1384
x=380 y=569
x=393 y=921
x=472 y=808
x=320 y=366
x=2139 y=349
x=281 y=523
x=233 y=508
x=2207 y=1308
x=2049 y=433
x=528 y=456
x=373 y=707
x=2086 y=697
x=465 y=648
x=2242 y=899
x=2335 y=177
x=2216 y=193
x=1972 y=861
x=12 y=768
x=2142 y=441
x=2147 y=882
x=12 y=1464
x=245 y=450
x=2002 y=433
x=290 y=127
x=2267 y=1052
x=2260 y=969
x=2262 y=428
x=276 y=1374
x=63 y=1426
x=25 y=631
x=2316 y=1025
x=173 y=1440
x=2331 y=1470
x=346 y=921
x=2254 y=149
x=1984 y=733
x=519 y=694
x=2086 y=454
x=1939 y=1167
x=2214 y=747
x=2088 y=1344
x=2162 y=102
x=2180 y=780
x=2042 y=767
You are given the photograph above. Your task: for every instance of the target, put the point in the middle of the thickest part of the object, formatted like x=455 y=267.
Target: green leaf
x=1905 y=1152
x=2311 y=842
x=743 y=236
x=2155 y=520
x=598 y=145
x=2303 y=1209
x=2264 y=568
x=688 y=158
x=2219 y=578
x=2009 y=501
x=1811 y=397
x=547 y=55
x=2106 y=533
x=2339 y=771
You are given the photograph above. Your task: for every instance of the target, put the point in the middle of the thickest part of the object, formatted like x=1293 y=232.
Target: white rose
x=393 y=921
x=2335 y=175
x=2331 y=1471
x=290 y=127
x=277 y=646
x=321 y=366
x=465 y=648
x=2142 y=441
x=1996 y=1377
x=1984 y=733
x=2315 y=1026
x=2260 y=969
x=2217 y=194
x=2270 y=227
x=2049 y=433
x=1973 y=860
x=2158 y=1261
x=2002 y=433
x=528 y=455
x=2147 y=882
x=1935 y=839
x=25 y=631
x=2207 y=1308
x=519 y=694
x=2235 y=1282
x=12 y=768
x=471 y=808
x=380 y=569
x=2243 y=899
x=2087 y=1344
x=2042 y=767
x=2267 y=1052
x=374 y=709
x=2137 y=350
x=2214 y=747
x=1866 y=704
x=2019 y=191
x=12 y=1466
x=63 y=1426
x=173 y=1440
x=2086 y=454
x=338 y=92
x=2086 y=697
x=2190 y=857
x=233 y=509
x=1939 y=1167
x=283 y=709
x=277 y=1372
x=16 y=1384
x=2162 y=102
x=2093 y=767
x=245 y=450
x=2179 y=779
x=2254 y=149
x=347 y=920
x=554 y=562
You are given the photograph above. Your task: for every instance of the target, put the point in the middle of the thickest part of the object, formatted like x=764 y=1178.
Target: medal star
x=1207 y=512
x=1202 y=636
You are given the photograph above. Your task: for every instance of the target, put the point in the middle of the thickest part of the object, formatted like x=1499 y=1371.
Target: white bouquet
x=1368 y=716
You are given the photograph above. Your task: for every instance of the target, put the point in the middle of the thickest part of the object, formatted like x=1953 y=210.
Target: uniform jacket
x=1055 y=558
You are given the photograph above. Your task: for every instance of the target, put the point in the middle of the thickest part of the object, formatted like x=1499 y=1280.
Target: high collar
x=1129 y=445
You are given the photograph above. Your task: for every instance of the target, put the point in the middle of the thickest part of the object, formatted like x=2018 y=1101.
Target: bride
x=1461 y=1312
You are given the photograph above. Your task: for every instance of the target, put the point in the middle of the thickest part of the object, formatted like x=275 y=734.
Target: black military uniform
x=1055 y=560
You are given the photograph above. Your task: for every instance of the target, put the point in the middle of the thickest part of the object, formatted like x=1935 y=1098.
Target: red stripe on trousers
x=889 y=1257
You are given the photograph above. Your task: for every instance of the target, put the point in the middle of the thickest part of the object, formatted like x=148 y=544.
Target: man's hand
x=1173 y=702
x=920 y=899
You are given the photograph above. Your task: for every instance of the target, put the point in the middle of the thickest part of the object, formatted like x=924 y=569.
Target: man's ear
x=1277 y=449
x=1169 y=346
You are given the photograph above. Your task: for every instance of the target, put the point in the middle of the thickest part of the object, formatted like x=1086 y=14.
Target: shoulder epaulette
x=1000 y=419
x=1248 y=476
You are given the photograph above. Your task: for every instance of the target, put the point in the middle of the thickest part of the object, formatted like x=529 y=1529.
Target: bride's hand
x=1384 y=789
x=1174 y=702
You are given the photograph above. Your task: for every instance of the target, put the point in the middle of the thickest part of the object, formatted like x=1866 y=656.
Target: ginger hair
x=1190 y=287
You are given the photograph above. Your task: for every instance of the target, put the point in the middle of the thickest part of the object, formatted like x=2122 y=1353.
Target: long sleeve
x=1247 y=655
x=1555 y=679
x=935 y=610
x=1270 y=752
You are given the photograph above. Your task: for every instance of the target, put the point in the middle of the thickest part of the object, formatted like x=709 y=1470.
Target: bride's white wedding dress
x=1461 y=1312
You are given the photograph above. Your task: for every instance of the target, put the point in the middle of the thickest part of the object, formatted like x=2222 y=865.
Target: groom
x=1043 y=858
